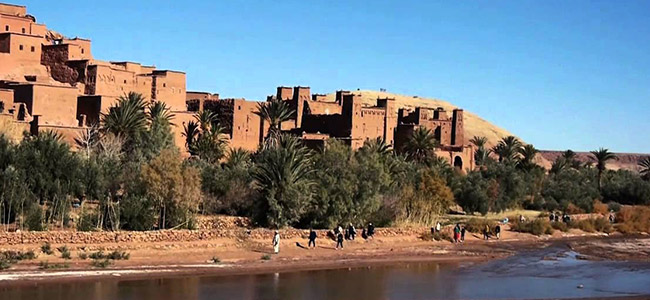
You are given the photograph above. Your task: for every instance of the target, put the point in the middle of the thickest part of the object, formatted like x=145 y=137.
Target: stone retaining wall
x=76 y=237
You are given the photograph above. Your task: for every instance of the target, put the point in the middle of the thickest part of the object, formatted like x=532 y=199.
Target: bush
x=15 y=256
x=87 y=222
x=600 y=208
x=118 y=255
x=101 y=263
x=65 y=252
x=34 y=219
x=561 y=226
x=438 y=236
x=593 y=225
x=536 y=227
x=83 y=255
x=97 y=255
x=266 y=257
x=614 y=206
x=5 y=264
x=633 y=219
x=477 y=225
x=215 y=260
x=47 y=249
x=44 y=265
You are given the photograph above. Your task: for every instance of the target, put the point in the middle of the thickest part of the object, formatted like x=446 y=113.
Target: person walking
x=352 y=231
x=456 y=233
x=462 y=234
x=497 y=231
x=276 y=242
x=312 y=238
x=486 y=232
x=438 y=227
x=339 y=240
x=371 y=230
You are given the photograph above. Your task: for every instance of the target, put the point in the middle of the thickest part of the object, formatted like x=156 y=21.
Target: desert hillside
x=474 y=125
x=627 y=161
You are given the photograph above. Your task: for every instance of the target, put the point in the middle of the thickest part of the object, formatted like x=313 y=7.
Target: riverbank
x=240 y=251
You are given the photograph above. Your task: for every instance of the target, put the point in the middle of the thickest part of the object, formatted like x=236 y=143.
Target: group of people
x=555 y=217
x=339 y=235
x=459 y=232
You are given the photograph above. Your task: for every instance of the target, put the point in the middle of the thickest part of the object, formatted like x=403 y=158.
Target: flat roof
x=21 y=34
x=167 y=71
x=14 y=5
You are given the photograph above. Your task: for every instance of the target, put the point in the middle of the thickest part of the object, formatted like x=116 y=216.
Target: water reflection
x=544 y=274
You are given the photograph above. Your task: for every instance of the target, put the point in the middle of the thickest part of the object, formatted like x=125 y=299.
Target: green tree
x=508 y=149
x=282 y=178
x=275 y=112
x=482 y=154
x=159 y=134
x=127 y=118
x=205 y=139
x=527 y=161
x=424 y=201
x=175 y=188
x=644 y=165
x=420 y=145
x=601 y=157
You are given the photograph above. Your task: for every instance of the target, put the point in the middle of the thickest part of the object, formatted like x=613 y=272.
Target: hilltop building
x=50 y=82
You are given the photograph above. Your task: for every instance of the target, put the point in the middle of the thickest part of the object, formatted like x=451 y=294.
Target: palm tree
x=159 y=112
x=237 y=157
x=420 y=145
x=644 y=164
x=479 y=141
x=190 y=132
x=601 y=156
x=377 y=145
x=528 y=154
x=560 y=164
x=275 y=112
x=282 y=174
x=127 y=117
x=508 y=149
x=205 y=118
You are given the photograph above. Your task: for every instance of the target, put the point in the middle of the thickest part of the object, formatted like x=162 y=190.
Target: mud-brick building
x=448 y=130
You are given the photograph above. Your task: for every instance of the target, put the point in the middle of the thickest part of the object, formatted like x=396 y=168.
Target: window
x=20 y=47
x=82 y=52
x=239 y=107
x=164 y=85
x=7 y=28
x=23 y=30
x=33 y=49
x=124 y=79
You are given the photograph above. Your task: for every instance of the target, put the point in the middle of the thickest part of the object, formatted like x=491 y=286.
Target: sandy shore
x=245 y=256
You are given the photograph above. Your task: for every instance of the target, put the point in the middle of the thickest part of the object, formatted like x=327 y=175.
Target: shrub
x=97 y=255
x=614 y=206
x=44 y=265
x=87 y=222
x=47 y=249
x=215 y=260
x=561 y=226
x=83 y=255
x=438 y=236
x=15 y=256
x=4 y=264
x=101 y=263
x=584 y=225
x=536 y=227
x=633 y=219
x=572 y=209
x=34 y=219
x=266 y=257
x=65 y=252
x=118 y=255
x=600 y=208
x=477 y=225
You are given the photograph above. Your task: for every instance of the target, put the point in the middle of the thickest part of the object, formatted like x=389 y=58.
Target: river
x=548 y=273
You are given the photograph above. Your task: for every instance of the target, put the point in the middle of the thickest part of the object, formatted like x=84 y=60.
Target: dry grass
x=10 y=129
x=633 y=219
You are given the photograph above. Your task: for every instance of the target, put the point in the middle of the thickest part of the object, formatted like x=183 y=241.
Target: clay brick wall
x=248 y=130
x=284 y=93
x=6 y=100
x=23 y=48
x=91 y=107
x=322 y=108
x=15 y=24
x=107 y=80
x=169 y=87
x=56 y=105
x=11 y=9
x=457 y=129
x=54 y=57
x=83 y=47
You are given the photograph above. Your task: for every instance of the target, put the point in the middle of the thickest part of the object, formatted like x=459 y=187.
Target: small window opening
x=23 y=30
x=33 y=49
x=20 y=47
x=7 y=28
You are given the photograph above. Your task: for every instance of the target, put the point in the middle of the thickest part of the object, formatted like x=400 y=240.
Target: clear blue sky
x=559 y=74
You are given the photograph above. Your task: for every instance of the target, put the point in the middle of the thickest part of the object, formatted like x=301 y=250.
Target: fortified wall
x=51 y=82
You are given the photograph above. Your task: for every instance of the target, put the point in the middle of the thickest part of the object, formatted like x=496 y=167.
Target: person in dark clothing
x=551 y=217
x=339 y=241
x=462 y=234
x=312 y=238
x=371 y=230
x=497 y=231
x=352 y=231
x=364 y=235
x=457 y=233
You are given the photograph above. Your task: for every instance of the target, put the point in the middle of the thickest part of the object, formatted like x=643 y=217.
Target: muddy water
x=548 y=273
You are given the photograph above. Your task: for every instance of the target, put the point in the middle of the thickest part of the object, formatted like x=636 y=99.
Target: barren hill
x=627 y=161
x=474 y=125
